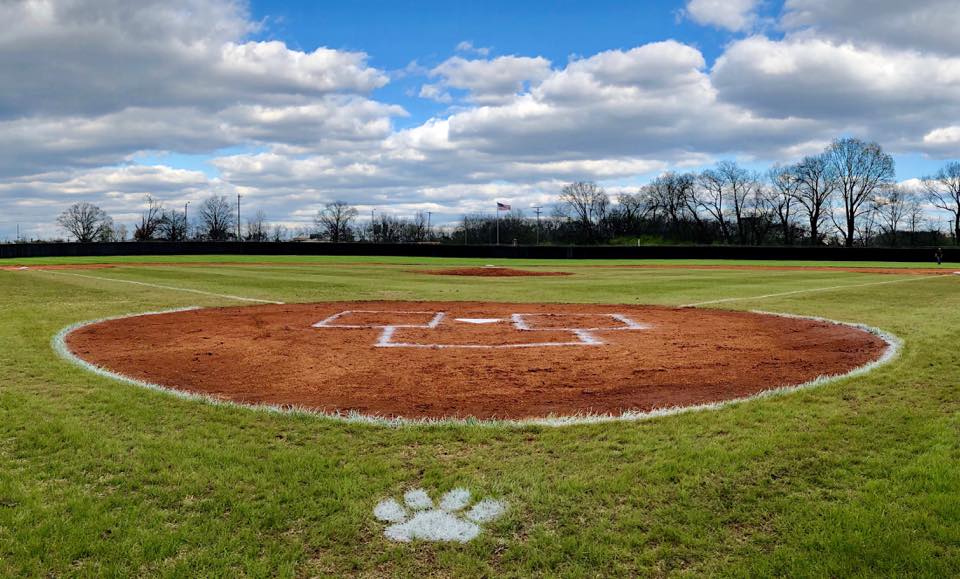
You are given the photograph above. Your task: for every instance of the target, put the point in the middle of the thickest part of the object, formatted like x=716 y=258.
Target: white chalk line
x=584 y=336
x=894 y=345
x=167 y=287
x=803 y=291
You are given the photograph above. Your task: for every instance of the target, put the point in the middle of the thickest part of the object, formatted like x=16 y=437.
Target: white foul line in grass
x=803 y=291
x=167 y=287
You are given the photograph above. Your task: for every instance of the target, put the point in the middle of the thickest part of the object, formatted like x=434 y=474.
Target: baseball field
x=349 y=416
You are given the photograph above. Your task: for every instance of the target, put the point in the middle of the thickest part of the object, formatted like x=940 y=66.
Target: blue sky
x=396 y=34
x=448 y=106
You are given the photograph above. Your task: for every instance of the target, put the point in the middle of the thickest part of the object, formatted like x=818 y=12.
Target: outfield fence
x=911 y=254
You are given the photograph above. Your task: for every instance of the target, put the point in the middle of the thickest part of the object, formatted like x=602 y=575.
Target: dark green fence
x=951 y=254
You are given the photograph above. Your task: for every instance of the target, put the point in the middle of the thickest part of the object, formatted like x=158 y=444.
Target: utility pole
x=537 y=209
x=238 y=217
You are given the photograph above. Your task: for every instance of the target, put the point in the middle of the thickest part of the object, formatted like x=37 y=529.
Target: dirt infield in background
x=56 y=267
x=946 y=270
x=491 y=271
x=272 y=354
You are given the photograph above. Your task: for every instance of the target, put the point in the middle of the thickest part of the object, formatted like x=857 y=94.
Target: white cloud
x=89 y=83
x=916 y=24
x=491 y=81
x=942 y=141
x=86 y=82
x=892 y=95
x=108 y=55
x=734 y=15
x=467 y=47
x=817 y=77
x=435 y=92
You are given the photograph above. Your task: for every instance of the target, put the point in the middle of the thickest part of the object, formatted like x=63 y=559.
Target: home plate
x=480 y=320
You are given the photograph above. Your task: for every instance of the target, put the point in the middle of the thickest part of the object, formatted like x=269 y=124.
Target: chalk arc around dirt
x=892 y=349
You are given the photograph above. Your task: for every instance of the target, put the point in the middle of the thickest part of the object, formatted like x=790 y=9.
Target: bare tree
x=760 y=214
x=587 y=204
x=85 y=221
x=216 y=217
x=943 y=191
x=172 y=226
x=710 y=195
x=669 y=194
x=149 y=221
x=635 y=206
x=916 y=218
x=108 y=232
x=782 y=195
x=257 y=227
x=816 y=183
x=418 y=227
x=739 y=185
x=120 y=233
x=279 y=233
x=860 y=169
x=893 y=204
x=333 y=221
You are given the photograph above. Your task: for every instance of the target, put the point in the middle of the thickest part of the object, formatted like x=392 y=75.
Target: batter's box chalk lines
x=418 y=519
x=166 y=287
x=520 y=322
x=330 y=322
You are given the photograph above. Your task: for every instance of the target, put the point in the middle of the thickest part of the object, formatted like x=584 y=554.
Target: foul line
x=819 y=289
x=166 y=287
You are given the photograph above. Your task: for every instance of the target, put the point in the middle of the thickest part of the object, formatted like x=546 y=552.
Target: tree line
x=845 y=195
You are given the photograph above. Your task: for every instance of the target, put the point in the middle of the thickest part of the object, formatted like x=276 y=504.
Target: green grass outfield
x=860 y=477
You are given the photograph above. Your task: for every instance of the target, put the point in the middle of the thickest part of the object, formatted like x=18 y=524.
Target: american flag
x=502 y=206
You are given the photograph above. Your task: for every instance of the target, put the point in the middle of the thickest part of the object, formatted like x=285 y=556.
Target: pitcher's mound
x=464 y=359
x=492 y=271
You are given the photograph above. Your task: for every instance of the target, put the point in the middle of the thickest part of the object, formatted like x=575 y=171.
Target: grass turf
x=855 y=478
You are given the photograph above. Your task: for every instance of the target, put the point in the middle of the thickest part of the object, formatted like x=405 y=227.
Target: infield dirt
x=475 y=362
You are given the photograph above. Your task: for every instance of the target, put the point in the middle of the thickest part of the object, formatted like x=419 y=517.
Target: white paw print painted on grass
x=421 y=520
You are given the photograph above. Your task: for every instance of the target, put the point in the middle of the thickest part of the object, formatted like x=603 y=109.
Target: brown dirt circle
x=466 y=359
x=492 y=271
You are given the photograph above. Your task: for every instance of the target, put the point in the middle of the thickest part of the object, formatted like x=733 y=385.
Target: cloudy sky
x=447 y=105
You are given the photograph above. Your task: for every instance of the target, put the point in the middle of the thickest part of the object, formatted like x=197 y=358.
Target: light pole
x=238 y=217
x=537 y=209
x=373 y=225
x=429 y=215
x=186 y=222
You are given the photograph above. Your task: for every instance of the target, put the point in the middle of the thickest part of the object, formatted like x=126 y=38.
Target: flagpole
x=498 y=224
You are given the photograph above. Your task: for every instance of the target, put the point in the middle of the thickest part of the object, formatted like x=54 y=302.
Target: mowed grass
x=859 y=477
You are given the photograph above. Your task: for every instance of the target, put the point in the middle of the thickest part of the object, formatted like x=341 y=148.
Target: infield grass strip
x=812 y=290
x=166 y=287
x=856 y=478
